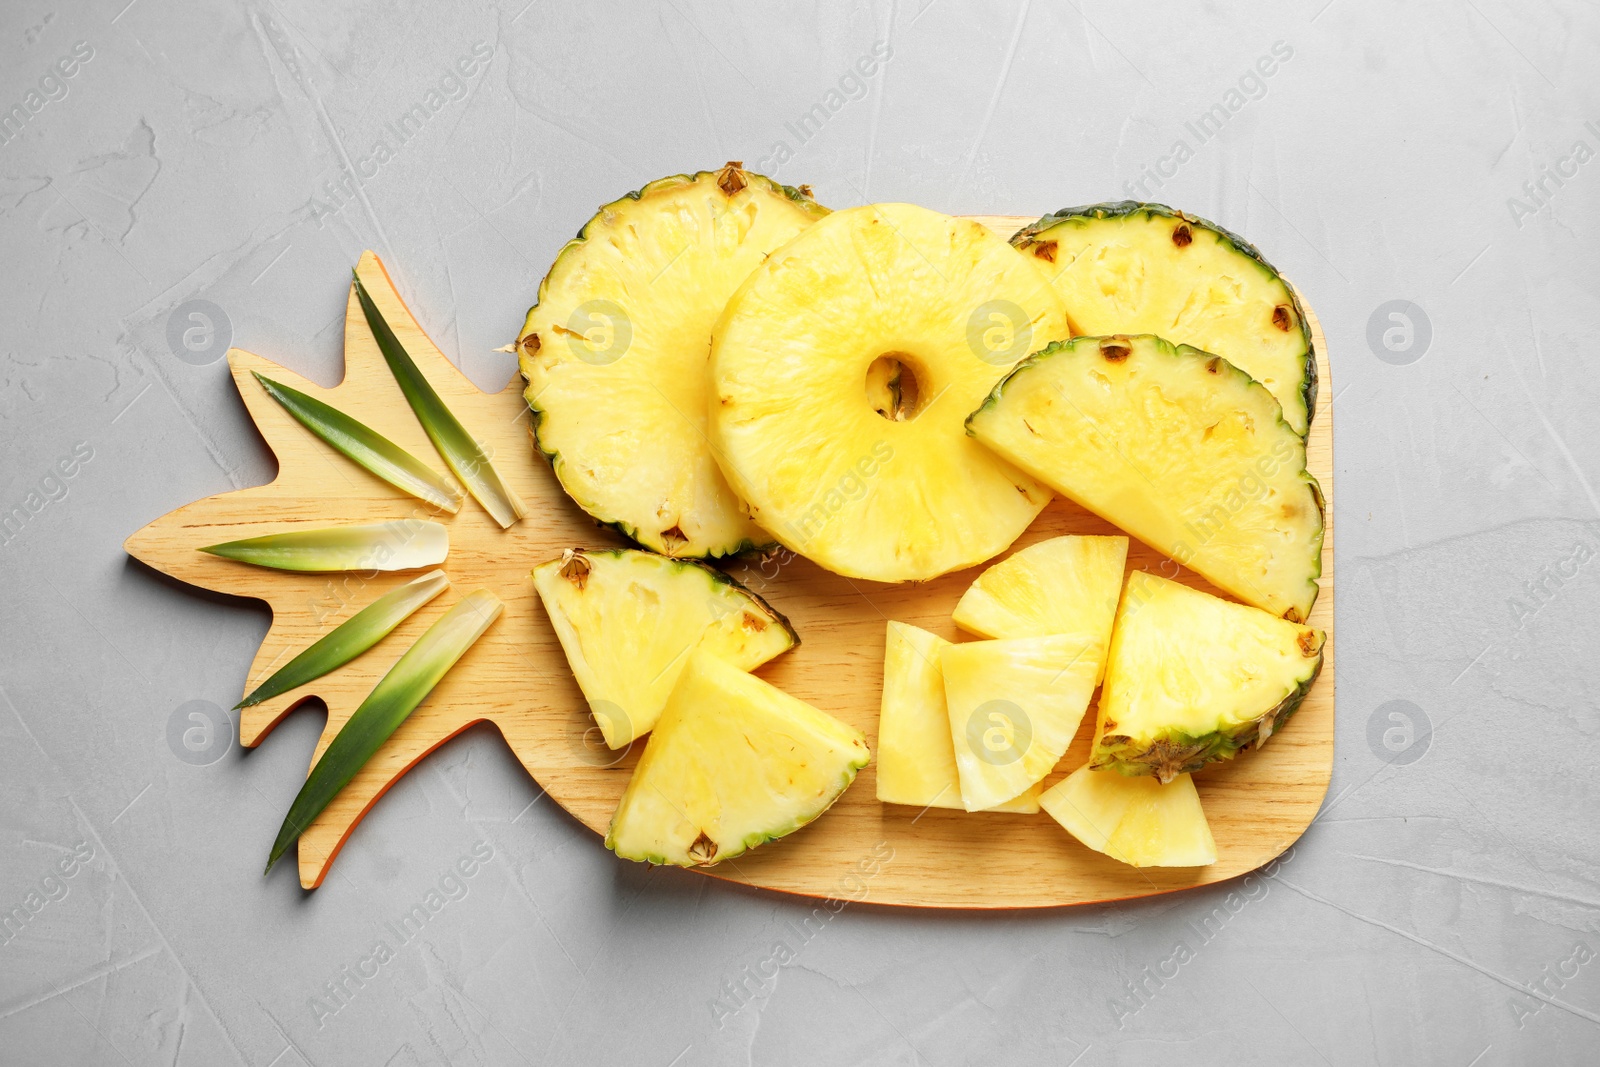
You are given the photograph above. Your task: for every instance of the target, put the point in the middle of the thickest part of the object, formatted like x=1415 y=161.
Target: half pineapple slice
x=1014 y=707
x=615 y=351
x=732 y=763
x=1179 y=448
x=841 y=372
x=1145 y=268
x=628 y=620
x=1139 y=821
x=1193 y=678
x=1066 y=585
x=916 y=760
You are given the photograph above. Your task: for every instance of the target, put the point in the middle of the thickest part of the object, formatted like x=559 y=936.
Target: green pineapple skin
x=1113 y=209
x=1120 y=753
x=750 y=841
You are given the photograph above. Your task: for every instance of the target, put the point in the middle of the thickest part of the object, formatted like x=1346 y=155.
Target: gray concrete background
x=1443 y=910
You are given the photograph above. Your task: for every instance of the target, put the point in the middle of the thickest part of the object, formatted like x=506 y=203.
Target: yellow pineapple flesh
x=615 y=353
x=627 y=621
x=841 y=372
x=1194 y=678
x=1067 y=584
x=916 y=759
x=1138 y=821
x=1014 y=707
x=1177 y=447
x=733 y=762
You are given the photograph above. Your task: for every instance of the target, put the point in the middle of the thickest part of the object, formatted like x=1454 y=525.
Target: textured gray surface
x=1443 y=910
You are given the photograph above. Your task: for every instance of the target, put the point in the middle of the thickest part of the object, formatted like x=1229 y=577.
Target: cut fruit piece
x=1014 y=707
x=841 y=372
x=916 y=761
x=733 y=763
x=1145 y=268
x=1066 y=585
x=615 y=352
x=1179 y=448
x=628 y=620
x=1194 y=678
x=1139 y=821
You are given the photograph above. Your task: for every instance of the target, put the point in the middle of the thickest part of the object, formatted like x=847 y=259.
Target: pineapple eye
x=731 y=178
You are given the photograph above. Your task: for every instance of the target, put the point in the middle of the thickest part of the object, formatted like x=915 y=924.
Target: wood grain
x=517 y=678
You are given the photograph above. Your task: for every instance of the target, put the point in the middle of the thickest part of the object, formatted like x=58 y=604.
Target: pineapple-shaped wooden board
x=517 y=678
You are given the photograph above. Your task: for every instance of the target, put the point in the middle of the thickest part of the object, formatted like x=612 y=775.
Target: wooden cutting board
x=516 y=677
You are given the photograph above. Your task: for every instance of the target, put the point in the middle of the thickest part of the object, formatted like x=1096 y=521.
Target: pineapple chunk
x=841 y=371
x=1193 y=678
x=628 y=620
x=1139 y=821
x=1177 y=447
x=1014 y=707
x=1145 y=268
x=615 y=351
x=916 y=761
x=1065 y=585
x=732 y=763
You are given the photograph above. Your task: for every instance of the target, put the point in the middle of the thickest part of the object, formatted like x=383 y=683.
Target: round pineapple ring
x=841 y=375
x=614 y=353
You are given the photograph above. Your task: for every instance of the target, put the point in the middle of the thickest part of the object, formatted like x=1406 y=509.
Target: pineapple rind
x=1186 y=753
x=1086 y=215
x=733 y=763
x=1145 y=645
x=695 y=605
x=739 y=535
x=1150 y=514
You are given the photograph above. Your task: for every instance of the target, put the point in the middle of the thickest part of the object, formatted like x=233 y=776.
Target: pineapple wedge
x=1179 y=448
x=916 y=761
x=1014 y=707
x=732 y=763
x=1193 y=678
x=614 y=353
x=628 y=620
x=841 y=371
x=1139 y=821
x=1145 y=268
x=1064 y=585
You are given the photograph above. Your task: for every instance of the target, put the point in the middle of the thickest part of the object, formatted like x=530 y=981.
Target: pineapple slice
x=1145 y=268
x=916 y=761
x=841 y=371
x=1139 y=821
x=1177 y=447
x=1193 y=678
x=733 y=763
x=1014 y=707
x=628 y=620
x=1061 y=586
x=615 y=352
